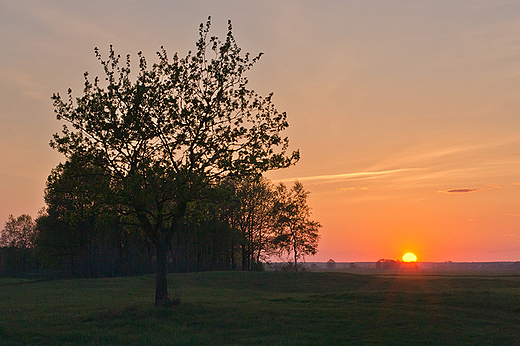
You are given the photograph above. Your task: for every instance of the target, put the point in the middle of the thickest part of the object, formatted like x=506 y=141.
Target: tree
x=252 y=216
x=205 y=240
x=19 y=233
x=331 y=264
x=387 y=264
x=296 y=232
x=182 y=126
x=79 y=230
x=74 y=200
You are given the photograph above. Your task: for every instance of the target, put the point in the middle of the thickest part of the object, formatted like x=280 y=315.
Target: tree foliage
x=79 y=230
x=182 y=126
x=251 y=213
x=297 y=233
x=19 y=234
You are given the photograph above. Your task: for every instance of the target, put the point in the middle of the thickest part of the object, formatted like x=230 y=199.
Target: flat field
x=267 y=308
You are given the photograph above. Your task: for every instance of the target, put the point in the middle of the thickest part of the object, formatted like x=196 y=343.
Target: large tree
x=180 y=127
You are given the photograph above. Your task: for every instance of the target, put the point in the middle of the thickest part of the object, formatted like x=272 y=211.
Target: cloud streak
x=461 y=190
x=349 y=176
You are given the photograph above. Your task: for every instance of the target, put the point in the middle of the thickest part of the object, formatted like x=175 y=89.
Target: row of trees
x=240 y=227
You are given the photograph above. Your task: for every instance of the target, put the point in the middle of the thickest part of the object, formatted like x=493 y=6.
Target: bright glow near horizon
x=406 y=114
x=409 y=257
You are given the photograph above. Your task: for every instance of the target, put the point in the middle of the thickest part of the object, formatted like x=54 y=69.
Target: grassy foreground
x=269 y=308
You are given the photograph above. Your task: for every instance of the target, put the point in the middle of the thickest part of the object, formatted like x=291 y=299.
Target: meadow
x=266 y=308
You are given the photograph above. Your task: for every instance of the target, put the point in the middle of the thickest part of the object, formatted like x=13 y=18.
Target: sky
x=406 y=113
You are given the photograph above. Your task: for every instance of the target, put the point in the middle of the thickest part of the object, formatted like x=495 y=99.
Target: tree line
x=163 y=169
x=236 y=227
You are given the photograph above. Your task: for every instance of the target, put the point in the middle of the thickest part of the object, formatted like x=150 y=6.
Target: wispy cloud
x=349 y=176
x=352 y=188
x=461 y=190
x=470 y=156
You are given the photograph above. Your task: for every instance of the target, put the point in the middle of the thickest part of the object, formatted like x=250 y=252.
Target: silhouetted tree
x=204 y=240
x=296 y=232
x=79 y=229
x=387 y=264
x=181 y=127
x=251 y=214
x=19 y=234
x=70 y=215
x=331 y=264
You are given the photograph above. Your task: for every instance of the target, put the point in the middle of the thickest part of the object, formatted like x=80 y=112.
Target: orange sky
x=406 y=114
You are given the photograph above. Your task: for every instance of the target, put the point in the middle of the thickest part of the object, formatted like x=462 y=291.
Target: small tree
x=181 y=127
x=296 y=232
x=331 y=264
x=19 y=233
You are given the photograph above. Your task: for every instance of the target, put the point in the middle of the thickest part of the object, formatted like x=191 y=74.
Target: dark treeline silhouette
x=387 y=264
x=79 y=234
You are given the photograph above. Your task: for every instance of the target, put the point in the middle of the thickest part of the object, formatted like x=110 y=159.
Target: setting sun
x=409 y=257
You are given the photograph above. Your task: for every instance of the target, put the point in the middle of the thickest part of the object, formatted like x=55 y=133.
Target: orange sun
x=409 y=257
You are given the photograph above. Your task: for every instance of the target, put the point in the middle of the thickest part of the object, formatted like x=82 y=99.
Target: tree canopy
x=297 y=233
x=19 y=234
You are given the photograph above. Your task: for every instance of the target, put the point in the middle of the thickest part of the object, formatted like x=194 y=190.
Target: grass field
x=266 y=308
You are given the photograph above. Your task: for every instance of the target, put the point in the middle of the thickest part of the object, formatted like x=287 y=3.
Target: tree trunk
x=245 y=266
x=233 y=264
x=161 y=284
x=295 y=258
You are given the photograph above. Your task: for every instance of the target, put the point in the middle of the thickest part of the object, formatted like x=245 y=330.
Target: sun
x=409 y=257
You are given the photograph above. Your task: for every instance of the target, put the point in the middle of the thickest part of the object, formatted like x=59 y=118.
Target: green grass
x=269 y=308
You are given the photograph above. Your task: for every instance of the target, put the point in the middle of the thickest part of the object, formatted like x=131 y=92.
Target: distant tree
x=387 y=264
x=181 y=127
x=19 y=233
x=296 y=234
x=331 y=264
